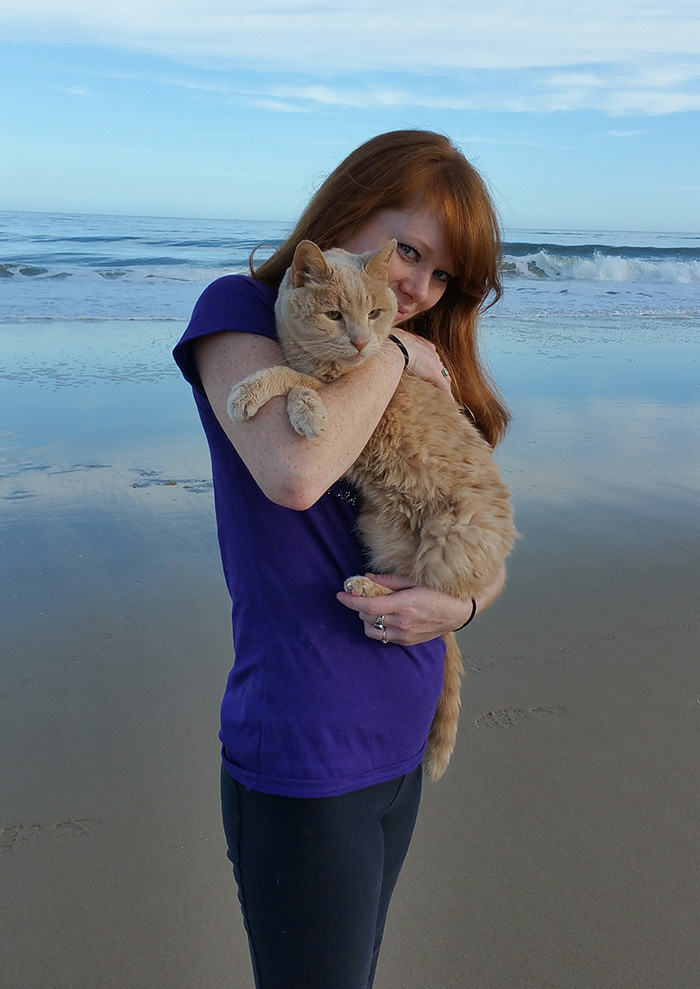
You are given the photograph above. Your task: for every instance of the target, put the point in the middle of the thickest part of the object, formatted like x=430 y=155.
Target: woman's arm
x=414 y=614
x=291 y=470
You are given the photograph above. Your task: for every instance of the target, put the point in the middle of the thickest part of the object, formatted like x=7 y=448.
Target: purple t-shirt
x=312 y=706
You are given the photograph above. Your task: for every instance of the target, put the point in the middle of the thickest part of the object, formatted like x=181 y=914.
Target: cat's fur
x=434 y=506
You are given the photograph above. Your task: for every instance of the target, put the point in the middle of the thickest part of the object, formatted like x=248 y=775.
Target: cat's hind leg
x=363 y=587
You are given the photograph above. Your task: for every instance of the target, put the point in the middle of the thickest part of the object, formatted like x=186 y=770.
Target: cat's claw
x=244 y=401
x=356 y=586
x=363 y=587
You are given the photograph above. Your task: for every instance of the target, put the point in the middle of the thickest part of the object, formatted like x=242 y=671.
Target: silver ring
x=384 y=638
x=379 y=623
x=445 y=373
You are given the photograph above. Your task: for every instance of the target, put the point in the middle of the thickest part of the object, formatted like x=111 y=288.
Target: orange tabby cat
x=434 y=506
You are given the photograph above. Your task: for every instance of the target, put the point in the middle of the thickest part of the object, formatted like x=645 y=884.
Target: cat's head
x=335 y=308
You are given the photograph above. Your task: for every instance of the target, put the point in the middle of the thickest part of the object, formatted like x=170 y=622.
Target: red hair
x=394 y=171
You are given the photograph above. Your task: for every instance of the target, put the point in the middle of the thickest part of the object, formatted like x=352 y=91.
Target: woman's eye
x=374 y=314
x=442 y=275
x=409 y=252
x=334 y=314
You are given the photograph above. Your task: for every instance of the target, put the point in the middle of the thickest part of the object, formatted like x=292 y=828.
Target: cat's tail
x=443 y=731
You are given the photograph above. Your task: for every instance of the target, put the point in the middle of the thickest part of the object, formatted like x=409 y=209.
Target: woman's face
x=422 y=264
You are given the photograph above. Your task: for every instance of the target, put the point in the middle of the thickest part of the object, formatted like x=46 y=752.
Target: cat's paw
x=245 y=399
x=363 y=587
x=307 y=413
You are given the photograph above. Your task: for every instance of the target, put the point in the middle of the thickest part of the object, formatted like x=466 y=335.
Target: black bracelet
x=471 y=617
x=402 y=348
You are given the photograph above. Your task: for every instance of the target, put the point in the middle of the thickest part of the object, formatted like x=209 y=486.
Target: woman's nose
x=416 y=285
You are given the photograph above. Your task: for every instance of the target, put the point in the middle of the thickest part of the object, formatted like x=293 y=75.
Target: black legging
x=315 y=877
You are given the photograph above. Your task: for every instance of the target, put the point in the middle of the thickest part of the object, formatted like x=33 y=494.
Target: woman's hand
x=413 y=613
x=424 y=360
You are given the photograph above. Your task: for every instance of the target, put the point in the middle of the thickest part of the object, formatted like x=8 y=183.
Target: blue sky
x=581 y=115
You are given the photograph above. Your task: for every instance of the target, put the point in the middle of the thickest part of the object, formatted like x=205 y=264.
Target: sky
x=580 y=115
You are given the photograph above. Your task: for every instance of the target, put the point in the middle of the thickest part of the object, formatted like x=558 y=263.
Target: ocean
x=57 y=266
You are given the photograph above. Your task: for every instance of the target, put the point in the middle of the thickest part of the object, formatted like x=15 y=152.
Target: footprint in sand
x=509 y=717
x=505 y=717
x=551 y=710
x=77 y=828
x=17 y=834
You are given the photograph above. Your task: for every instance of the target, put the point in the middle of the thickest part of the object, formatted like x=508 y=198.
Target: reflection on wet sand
x=565 y=826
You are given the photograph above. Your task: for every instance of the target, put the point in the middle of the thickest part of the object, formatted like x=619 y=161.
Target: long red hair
x=396 y=170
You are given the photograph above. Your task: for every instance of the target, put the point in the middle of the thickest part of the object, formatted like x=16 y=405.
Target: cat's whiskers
x=336 y=354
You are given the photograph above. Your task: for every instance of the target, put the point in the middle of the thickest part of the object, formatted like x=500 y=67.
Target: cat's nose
x=360 y=345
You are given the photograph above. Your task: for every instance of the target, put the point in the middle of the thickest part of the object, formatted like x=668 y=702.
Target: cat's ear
x=309 y=264
x=376 y=263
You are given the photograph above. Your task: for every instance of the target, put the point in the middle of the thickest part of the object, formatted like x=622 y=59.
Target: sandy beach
x=560 y=849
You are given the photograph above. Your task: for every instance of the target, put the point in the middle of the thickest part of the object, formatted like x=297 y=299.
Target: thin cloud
x=651 y=104
x=499 y=34
x=520 y=93
x=194 y=85
x=81 y=91
x=627 y=57
x=278 y=106
x=363 y=99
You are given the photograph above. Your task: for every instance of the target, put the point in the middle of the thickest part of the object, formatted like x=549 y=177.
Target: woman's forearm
x=291 y=470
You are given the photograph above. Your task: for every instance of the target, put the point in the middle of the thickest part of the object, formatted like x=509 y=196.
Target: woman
x=323 y=726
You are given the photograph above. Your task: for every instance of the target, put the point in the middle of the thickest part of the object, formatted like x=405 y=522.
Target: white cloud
x=630 y=56
x=650 y=103
x=277 y=106
x=80 y=91
x=524 y=94
x=578 y=80
x=369 y=98
x=195 y=85
x=360 y=34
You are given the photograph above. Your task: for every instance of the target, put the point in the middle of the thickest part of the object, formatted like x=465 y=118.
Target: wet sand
x=561 y=847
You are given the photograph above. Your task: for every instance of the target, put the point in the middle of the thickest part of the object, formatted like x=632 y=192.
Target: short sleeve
x=236 y=303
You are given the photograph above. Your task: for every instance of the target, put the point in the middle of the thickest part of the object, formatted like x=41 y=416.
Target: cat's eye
x=374 y=314
x=334 y=314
